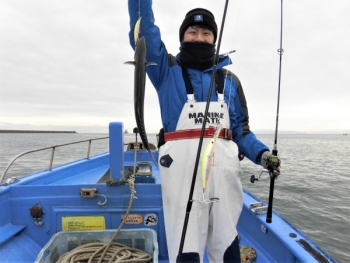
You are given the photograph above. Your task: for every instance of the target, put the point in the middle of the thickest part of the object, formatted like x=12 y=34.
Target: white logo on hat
x=198 y=18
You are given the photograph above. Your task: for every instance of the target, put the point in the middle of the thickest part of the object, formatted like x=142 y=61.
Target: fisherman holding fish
x=182 y=83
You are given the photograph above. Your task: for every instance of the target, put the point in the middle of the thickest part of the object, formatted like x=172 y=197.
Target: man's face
x=197 y=34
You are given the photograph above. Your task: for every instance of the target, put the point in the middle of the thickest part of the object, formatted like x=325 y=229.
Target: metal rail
x=52 y=153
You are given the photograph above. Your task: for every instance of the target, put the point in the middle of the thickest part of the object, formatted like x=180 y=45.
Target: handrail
x=52 y=153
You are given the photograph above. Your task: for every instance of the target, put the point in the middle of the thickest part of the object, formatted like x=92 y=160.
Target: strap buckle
x=228 y=134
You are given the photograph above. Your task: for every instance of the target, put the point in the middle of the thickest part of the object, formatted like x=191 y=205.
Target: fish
x=140 y=64
x=208 y=158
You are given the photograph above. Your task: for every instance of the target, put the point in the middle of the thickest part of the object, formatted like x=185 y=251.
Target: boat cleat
x=11 y=180
x=258 y=208
x=37 y=212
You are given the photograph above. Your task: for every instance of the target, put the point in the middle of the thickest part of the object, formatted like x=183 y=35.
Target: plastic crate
x=62 y=242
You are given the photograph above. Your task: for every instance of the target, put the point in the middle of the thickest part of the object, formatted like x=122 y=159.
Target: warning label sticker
x=71 y=223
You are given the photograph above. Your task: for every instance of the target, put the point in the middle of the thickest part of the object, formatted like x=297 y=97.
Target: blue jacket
x=169 y=83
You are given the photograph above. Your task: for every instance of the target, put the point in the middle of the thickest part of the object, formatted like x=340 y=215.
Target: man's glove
x=263 y=160
x=271 y=163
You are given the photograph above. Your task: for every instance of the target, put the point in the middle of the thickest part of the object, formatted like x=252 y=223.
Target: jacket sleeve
x=156 y=51
x=246 y=140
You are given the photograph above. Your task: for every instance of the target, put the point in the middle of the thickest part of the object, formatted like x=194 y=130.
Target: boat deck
x=277 y=242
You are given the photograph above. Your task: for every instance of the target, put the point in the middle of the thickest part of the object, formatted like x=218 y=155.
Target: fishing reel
x=273 y=164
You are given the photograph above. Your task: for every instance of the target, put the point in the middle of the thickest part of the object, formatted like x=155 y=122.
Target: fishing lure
x=208 y=158
x=137 y=31
x=207 y=163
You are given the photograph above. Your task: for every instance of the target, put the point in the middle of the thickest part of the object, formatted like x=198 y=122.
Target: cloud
x=62 y=62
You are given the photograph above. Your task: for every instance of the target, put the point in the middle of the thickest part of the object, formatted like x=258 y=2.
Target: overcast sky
x=61 y=64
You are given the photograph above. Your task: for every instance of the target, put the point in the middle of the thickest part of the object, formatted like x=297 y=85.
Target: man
x=182 y=84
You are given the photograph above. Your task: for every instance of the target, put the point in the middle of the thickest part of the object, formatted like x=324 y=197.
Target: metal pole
x=41 y=149
x=88 y=151
x=51 y=159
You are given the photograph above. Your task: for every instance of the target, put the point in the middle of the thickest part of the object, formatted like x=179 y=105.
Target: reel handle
x=253 y=179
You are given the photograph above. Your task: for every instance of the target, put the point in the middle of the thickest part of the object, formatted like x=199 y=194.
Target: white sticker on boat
x=151 y=220
x=263 y=228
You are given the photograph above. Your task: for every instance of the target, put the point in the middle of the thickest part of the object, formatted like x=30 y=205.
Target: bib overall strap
x=189 y=87
x=219 y=79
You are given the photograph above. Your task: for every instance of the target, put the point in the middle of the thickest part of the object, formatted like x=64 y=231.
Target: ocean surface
x=312 y=192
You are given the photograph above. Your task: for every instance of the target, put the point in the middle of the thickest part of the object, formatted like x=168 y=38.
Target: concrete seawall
x=34 y=131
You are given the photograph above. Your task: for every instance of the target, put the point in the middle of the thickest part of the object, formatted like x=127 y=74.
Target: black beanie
x=199 y=16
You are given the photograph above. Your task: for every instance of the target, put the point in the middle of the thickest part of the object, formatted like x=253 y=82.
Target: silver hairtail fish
x=140 y=64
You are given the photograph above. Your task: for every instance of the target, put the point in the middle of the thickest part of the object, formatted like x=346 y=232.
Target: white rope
x=108 y=252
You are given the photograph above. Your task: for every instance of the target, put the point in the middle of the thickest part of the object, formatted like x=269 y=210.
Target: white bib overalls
x=211 y=226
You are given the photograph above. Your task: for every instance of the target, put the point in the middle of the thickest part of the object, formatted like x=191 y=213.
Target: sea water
x=312 y=192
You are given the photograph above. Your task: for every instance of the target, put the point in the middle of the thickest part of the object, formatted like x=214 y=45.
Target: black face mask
x=197 y=55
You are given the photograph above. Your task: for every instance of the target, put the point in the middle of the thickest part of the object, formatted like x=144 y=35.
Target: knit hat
x=199 y=16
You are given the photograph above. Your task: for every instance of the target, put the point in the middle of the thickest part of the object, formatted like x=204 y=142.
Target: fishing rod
x=273 y=162
x=189 y=202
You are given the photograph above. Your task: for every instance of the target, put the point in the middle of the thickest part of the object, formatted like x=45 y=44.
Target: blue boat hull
x=59 y=192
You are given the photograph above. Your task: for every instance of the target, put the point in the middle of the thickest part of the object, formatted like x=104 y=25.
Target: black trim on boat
x=318 y=256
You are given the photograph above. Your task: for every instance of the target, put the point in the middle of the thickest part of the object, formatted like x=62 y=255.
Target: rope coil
x=94 y=252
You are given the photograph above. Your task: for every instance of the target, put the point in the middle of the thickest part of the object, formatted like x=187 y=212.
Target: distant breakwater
x=34 y=131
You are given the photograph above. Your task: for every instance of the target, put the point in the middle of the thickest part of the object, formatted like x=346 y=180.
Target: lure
x=137 y=31
x=208 y=158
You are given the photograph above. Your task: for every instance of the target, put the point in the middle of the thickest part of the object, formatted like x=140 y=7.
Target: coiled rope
x=108 y=252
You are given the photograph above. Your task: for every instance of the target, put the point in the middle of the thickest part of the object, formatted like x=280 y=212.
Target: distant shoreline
x=34 y=131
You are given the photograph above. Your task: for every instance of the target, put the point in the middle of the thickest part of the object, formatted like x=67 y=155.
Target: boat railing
x=53 y=148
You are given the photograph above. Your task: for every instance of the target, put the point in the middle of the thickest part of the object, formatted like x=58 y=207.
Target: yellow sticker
x=133 y=219
x=73 y=223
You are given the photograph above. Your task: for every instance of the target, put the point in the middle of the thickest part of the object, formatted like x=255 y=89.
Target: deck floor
x=21 y=249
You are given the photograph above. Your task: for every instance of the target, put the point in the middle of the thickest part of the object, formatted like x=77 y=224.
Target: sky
x=61 y=63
